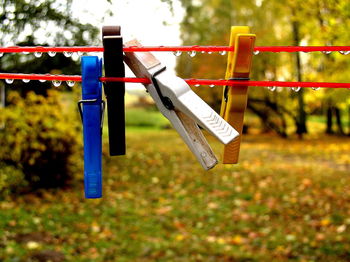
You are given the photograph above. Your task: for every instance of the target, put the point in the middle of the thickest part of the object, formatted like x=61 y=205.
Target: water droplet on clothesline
x=326 y=52
x=42 y=80
x=192 y=53
x=70 y=83
x=296 y=89
x=209 y=52
x=177 y=53
x=56 y=83
x=51 y=53
x=315 y=88
x=256 y=52
x=1 y=54
x=25 y=52
x=222 y=52
x=197 y=85
x=211 y=85
x=26 y=80
x=272 y=88
x=202 y=52
x=38 y=54
x=67 y=53
x=80 y=53
x=75 y=56
x=344 y=52
x=9 y=81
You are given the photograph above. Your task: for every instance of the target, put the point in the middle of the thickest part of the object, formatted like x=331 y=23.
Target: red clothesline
x=77 y=78
x=194 y=48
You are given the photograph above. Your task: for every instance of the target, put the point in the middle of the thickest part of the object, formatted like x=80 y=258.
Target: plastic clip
x=91 y=108
x=114 y=91
x=234 y=100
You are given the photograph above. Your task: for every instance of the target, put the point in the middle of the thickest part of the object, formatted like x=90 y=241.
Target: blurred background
x=287 y=199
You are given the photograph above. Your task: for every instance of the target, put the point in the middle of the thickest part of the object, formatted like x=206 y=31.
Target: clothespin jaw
x=181 y=106
x=92 y=118
x=234 y=100
x=114 y=91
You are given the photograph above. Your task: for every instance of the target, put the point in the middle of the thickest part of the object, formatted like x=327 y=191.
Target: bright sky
x=149 y=21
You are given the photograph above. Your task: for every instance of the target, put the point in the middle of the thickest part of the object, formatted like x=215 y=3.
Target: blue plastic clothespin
x=92 y=117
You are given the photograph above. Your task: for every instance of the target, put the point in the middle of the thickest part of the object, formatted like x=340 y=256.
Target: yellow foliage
x=39 y=139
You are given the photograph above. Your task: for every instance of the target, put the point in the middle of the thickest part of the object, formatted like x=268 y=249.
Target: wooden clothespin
x=114 y=91
x=234 y=100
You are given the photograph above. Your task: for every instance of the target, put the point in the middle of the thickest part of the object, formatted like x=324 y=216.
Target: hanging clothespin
x=234 y=100
x=91 y=109
x=114 y=91
x=184 y=109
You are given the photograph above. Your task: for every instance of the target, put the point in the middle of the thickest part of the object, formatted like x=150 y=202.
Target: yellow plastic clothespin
x=234 y=100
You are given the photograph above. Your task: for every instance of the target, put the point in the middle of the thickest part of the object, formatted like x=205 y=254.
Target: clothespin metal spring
x=81 y=102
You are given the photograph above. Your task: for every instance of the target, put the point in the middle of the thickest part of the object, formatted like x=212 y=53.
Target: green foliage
x=11 y=179
x=39 y=139
x=41 y=23
x=28 y=19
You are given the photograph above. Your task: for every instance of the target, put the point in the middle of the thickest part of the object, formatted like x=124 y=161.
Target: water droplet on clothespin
x=272 y=88
x=67 y=53
x=56 y=83
x=315 y=88
x=197 y=85
x=42 y=80
x=256 y=52
x=344 y=52
x=25 y=53
x=192 y=53
x=211 y=85
x=26 y=80
x=51 y=53
x=296 y=89
x=177 y=53
x=1 y=54
x=38 y=54
x=9 y=81
x=70 y=83
x=326 y=52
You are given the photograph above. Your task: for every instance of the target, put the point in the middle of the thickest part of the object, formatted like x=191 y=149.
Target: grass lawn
x=286 y=200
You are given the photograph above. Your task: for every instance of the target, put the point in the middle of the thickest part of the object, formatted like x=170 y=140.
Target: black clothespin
x=114 y=91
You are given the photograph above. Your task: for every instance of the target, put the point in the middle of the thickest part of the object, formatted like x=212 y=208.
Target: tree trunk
x=338 y=120
x=329 y=129
x=301 y=119
x=266 y=114
x=349 y=122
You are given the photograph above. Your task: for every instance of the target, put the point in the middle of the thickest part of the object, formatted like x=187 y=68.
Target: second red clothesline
x=209 y=82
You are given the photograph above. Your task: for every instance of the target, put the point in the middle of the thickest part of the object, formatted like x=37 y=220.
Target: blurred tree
x=275 y=23
x=328 y=25
x=32 y=22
